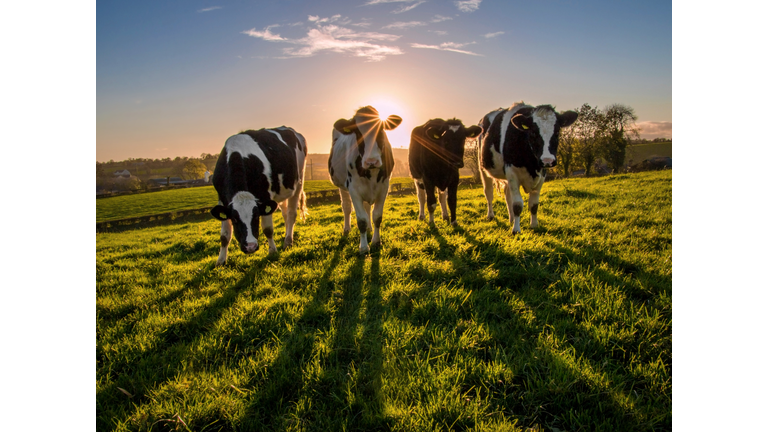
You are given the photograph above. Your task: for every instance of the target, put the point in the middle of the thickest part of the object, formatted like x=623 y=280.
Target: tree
x=589 y=130
x=566 y=150
x=619 y=128
x=471 y=152
x=193 y=169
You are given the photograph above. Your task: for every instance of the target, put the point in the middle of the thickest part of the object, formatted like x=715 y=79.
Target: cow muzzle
x=371 y=163
x=251 y=248
x=548 y=161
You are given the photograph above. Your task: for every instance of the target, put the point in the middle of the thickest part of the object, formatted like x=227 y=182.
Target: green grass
x=566 y=327
x=146 y=204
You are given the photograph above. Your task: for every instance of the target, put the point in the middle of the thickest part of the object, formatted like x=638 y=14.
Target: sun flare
x=386 y=106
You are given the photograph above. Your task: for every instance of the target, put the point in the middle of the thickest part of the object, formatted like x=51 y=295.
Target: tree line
x=142 y=169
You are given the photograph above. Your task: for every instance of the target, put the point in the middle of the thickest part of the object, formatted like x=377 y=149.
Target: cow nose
x=251 y=247
x=371 y=162
x=459 y=164
x=548 y=161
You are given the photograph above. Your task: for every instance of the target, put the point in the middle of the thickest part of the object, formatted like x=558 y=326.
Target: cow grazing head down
x=244 y=212
x=541 y=129
x=446 y=139
x=369 y=129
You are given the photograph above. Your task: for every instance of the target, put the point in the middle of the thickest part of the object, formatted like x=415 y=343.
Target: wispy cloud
x=333 y=38
x=447 y=46
x=208 y=9
x=653 y=129
x=493 y=35
x=440 y=18
x=406 y=8
x=468 y=5
x=373 y=2
x=439 y=32
x=404 y=25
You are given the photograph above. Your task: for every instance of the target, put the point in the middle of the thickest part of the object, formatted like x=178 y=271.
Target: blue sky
x=176 y=78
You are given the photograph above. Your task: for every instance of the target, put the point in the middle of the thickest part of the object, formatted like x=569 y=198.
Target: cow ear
x=345 y=126
x=434 y=132
x=267 y=207
x=220 y=212
x=567 y=118
x=392 y=122
x=474 y=131
x=522 y=122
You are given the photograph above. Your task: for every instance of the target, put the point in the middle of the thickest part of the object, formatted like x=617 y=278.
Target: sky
x=176 y=78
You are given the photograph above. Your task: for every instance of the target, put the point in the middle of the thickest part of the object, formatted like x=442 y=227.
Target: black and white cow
x=518 y=145
x=360 y=165
x=435 y=155
x=257 y=170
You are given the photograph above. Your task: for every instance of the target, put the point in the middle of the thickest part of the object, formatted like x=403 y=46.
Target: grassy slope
x=137 y=205
x=568 y=326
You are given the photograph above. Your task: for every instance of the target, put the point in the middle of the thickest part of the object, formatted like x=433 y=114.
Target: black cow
x=257 y=170
x=435 y=155
x=517 y=145
x=360 y=165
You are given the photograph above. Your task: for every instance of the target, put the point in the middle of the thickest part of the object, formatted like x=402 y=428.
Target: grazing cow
x=518 y=145
x=435 y=155
x=360 y=164
x=257 y=170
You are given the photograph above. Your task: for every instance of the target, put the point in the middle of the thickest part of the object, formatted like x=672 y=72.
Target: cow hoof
x=489 y=218
x=446 y=218
x=346 y=232
x=272 y=251
x=454 y=224
x=220 y=263
x=287 y=245
x=421 y=217
x=363 y=251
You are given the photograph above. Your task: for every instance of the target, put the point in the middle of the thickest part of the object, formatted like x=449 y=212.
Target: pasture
x=566 y=327
x=137 y=205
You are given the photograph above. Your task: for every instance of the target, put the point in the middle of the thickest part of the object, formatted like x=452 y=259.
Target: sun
x=387 y=107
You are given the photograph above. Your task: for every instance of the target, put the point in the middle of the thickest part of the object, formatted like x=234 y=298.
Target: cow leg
x=289 y=217
x=533 y=207
x=421 y=194
x=514 y=203
x=488 y=191
x=363 y=221
x=368 y=213
x=346 y=207
x=226 y=237
x=269 y=232
x=451 y=193
x=444 y=204
x=378 y=213
x=431 y=200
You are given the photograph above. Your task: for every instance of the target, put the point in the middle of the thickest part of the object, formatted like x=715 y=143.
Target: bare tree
x=471 y=152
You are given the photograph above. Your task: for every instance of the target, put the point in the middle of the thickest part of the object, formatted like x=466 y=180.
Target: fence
x=315 y=197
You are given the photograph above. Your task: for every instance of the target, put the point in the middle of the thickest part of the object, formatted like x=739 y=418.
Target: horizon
x=176 y=79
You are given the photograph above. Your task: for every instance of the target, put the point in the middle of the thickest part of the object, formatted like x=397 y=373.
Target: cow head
x=369 y=129
x=446 y=139
x=541 y=128
x=244 y=211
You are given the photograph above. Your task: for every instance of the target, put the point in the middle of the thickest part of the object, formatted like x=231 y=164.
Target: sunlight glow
x=386 y=105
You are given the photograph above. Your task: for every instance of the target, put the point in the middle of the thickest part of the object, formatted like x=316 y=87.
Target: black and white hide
x=360 y=165
x=518 y=144
x=257 y=170
x=435 y=155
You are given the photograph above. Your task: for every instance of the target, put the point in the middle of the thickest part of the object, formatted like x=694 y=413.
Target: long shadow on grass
x=539 y=395
x=143 y=370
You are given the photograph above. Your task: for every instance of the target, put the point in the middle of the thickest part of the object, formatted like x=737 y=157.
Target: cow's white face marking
x=370 y=127
x=454 y=128
x=545 y=120
x=244 y=203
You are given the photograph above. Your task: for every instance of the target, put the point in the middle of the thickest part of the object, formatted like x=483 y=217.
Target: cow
x=256 y=170
x=435 y=155
x=360 y=165
x=517 y=145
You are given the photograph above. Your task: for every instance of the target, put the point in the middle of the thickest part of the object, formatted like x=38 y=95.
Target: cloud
x=493 y=35
x=333 y=38
x=651 y=129
x=468 y=5
x=404 y=25
x=447 y=46
x=439 y=32
x=209 y=9
x=265 y=34
x=406 y=8
x=373 y=2
x=440 y=18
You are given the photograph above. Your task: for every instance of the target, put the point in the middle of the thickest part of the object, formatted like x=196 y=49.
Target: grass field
x=567 y=327
x=136 y=205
